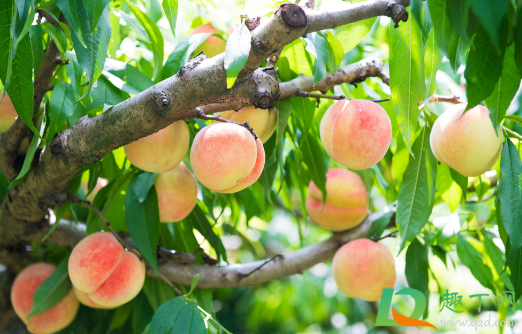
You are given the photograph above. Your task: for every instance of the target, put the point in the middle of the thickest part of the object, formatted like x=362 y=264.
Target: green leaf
x=457 y=48
x=314 y=160
x=35 y=142
x=94 y=10
x=432 y=61
x=199 y=221
x=491 y=13
x=193 y=284
x=170 y=7
x=408 y=88
x=142 y=215
x=36 y=35
x=379 y=225
x=175 y=317
x=60 y=108
x=470 y=257
x=458 y=12
x=157 y=292
x=155 y=37
x=518 y=43
x=461 y=180
x=335 y=52
x=448 y=189
x=189 y=321
x=351 y=34
x=441 y=23
x=93 y=56
x=166 y=316
x=121 y=315
x=303 y=109
x=143 y=313
x=417 y=193
x=181 y=54
x=131 y=75
x=498 y=259
x=76 y=15
x=317 y=45
x=416 y=270
x=510 y=195
x=516 y=273
x=483 y=68
x=56 y=33
x=284 y=109
x=52 y=290
x=236 y=53
x=505 y=89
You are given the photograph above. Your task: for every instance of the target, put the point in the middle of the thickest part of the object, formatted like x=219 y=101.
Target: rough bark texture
x=200 y=83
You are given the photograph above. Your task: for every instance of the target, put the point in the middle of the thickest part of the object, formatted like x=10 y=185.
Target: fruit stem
x=203 y=116
x=439 y=98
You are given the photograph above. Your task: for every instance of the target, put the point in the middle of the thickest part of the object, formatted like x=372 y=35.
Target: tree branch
x=263 y=271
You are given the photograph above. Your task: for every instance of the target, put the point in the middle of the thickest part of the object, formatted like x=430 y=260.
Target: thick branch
x=279 y=267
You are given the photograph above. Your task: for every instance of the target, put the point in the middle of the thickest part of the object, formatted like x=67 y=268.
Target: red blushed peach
x=356 y=133
x=49 y=321
x=109 y=275
x=363 y=268
x=177 y=193
x=468 y=144
x=100 y=183
x=161 y=151
x=7 y=114
x=262 y=121
x=346 y=201
x=226 y=158
x=213 y=45
x=86 y=300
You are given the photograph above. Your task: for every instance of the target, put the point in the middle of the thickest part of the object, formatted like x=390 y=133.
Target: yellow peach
x=177 y=193
x=49 y=321
x=356 y=133
x=468 y=144
x=161 y=151
x=225 y=157
x=363 y=268
x=346 y=201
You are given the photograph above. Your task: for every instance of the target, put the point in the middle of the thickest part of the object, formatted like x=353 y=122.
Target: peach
x=100 y=183
x=356 y=133
x=226 y=158
x=109 y=275
x=49 y=321
x=363 y=268
x=7 y=114
x=467 y=144
x=346 y=201
x=262 y=121
x=213 y=45
x=177 y=193
x=161 y=151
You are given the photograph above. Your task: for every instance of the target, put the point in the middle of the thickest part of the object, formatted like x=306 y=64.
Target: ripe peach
x=109 y=275
x=356 y=133
x=346 y=201
x=225 y=157
x=363 y=268
x=467 y=144
x=213 y=45
x=100 y=183
x=262 y=121
x=7 y=114
x=177 y=193
x=49 y=321
x=161 y=151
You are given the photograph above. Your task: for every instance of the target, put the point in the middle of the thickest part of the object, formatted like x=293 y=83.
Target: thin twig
x=264 y=264
x=511 y=133
x=302 y=93
x=439 y=98
x=391 y=235
x=204 y=238
x=273 y=59
x=42 y=13
x=246 y=125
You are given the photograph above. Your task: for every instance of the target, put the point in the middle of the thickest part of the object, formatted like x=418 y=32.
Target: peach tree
x=150 y=150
